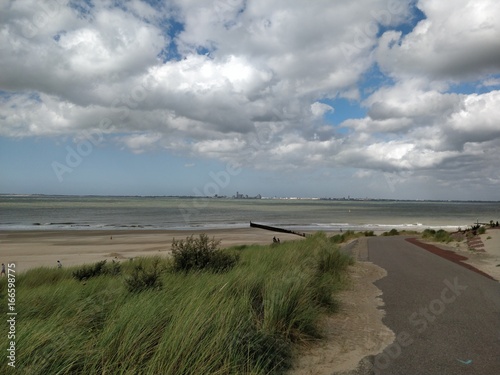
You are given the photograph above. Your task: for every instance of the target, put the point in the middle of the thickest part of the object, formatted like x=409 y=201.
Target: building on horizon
x=245 y=196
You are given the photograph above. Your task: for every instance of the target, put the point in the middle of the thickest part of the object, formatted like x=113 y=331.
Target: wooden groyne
x=276 y=229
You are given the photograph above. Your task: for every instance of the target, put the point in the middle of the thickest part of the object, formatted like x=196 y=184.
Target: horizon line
x=249 y=198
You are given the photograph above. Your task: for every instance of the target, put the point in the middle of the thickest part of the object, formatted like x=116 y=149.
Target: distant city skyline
x=374 y=98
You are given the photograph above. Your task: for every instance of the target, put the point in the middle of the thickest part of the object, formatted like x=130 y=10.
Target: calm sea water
x=86 y=213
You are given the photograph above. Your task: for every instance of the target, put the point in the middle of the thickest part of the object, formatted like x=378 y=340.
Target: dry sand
x=29 y=249
x=487 y=261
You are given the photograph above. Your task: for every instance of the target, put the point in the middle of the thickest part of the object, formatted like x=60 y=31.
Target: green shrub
x=392 y=232
x=222 y=261
x=144 y=277
x=196 y=254
x=86 y=272
x=428 y=233
x=369 y=233
x=341 y=238
x=113 y=269
x=97 y=269
x=481 y=230
x=440 y=236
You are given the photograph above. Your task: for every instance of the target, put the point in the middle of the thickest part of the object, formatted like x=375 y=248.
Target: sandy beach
x=487 y=259
x=29 y=249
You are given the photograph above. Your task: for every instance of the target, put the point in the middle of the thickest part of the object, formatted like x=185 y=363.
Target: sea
x=45 y=212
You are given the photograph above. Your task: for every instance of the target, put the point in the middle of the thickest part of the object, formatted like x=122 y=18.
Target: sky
x=369 y=98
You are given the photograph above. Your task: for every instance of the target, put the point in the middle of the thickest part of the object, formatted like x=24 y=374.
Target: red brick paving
x=447 y=254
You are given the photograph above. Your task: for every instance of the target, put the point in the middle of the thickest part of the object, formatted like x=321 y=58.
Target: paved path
x=446 y=318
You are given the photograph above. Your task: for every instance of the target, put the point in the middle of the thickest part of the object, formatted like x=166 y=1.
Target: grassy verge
x=438 y=236
x=349 y=235
x=243 y=321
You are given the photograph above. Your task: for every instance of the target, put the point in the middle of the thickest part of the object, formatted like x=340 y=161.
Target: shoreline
x=316 y=227
x=31 y=249
x=35 y=248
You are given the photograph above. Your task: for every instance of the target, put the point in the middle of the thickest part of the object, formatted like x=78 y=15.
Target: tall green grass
x=244 y=321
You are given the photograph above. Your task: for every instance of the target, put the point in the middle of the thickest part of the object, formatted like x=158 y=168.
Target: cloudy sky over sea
x=367 y=98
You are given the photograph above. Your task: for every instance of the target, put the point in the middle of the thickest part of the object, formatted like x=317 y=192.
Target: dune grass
x=438 y=236
x=243 y=321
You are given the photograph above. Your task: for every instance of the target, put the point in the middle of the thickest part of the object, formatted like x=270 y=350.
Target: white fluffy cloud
x=241 y=63
x=247 y=81
x=458 y=39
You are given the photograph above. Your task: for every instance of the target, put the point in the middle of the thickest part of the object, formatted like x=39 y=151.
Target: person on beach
x=3 y=270
x=59 y=264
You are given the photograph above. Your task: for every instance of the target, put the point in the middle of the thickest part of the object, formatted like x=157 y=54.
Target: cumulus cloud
x=252 y=81
x=240 y=63
x=319 y=109
x=457 y=40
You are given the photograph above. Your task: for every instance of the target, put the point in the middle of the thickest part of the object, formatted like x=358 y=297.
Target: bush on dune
x=145 y=277
x=346 y=236
x=392 y=232
x=439 y=236
x=202 y=253
x=349 y=235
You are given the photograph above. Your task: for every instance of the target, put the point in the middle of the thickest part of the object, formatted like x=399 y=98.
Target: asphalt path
x=446 y=318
